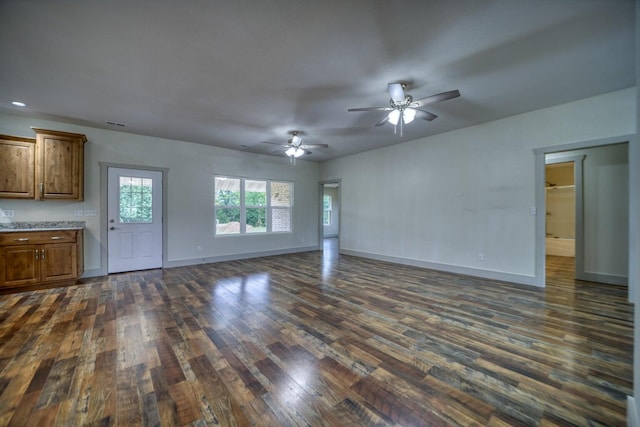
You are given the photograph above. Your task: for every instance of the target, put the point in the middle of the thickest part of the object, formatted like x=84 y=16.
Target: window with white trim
x=252 y=206
x=326 y=209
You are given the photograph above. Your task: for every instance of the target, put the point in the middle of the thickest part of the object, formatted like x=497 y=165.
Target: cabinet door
x=19 y=265
x=59 y=165
x=17 y=167
x=59 y=261
x=59 y=174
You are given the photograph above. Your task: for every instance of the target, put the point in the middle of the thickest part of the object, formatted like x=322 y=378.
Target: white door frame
x=540 y=204
x=104 y=186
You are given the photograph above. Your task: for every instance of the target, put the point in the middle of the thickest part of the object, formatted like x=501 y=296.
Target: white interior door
x=134 y=207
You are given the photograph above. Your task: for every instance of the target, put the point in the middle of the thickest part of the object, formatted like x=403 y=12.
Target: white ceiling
x=235 y=73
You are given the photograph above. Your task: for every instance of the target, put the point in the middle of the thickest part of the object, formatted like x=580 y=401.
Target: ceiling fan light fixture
x=408 y=115
x=394 y=116
x=294 y=152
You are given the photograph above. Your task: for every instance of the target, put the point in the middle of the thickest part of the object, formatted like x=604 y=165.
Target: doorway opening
x=595 y=207
x=329 y=225
x=560 y=200
x=562 y=209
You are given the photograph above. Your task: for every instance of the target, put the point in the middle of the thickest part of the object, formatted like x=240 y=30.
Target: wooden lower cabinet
x=31 y=259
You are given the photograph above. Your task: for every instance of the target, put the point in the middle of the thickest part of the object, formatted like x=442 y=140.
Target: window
x=252 y=206
x=326 y=209
x=255 y=202
x=135 y=199
x=281 y=203
x=227 y=202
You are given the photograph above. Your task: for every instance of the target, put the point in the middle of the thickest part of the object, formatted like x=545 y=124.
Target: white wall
x=333 y=229
x=440 y=201
x=190 y=191
x=633 y=407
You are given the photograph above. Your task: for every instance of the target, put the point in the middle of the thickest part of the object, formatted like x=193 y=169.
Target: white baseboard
x=94 y=272
x=609 y=279
x=234 y=257
x=206 y=260
x=632 y=412
x=485 y=274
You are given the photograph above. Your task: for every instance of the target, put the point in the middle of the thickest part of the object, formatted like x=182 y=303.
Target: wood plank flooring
x=315 y=339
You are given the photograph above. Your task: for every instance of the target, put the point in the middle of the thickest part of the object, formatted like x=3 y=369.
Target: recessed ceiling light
x=19 y=104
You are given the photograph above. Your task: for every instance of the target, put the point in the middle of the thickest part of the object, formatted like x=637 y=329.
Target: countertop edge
x=21 y=227
x=22 y=230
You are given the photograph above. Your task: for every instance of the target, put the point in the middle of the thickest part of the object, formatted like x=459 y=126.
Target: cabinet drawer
x=37 y=237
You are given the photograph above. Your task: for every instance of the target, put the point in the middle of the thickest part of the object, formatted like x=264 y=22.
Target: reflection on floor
x=330 y=255
x=315 y=338
x=560 y=269
x=330 y=244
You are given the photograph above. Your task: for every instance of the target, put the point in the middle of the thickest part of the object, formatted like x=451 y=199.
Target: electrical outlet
x=533 y=210
x=90 y=212
x=78 y=212
x=8 y=213
x=480 y=256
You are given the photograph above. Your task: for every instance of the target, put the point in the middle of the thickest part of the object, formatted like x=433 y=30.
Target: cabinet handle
x=22 y=239
x=57 y=238
x=43 y=254
x=36 y=255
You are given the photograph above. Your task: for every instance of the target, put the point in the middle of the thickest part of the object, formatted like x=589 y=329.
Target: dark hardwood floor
x=315 y=339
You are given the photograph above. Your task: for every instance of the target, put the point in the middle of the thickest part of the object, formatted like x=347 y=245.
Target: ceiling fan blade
x=396 y=91
x=306 y=146
x=272 y=143
x=383 y=120
x=425 y=115
x=371 y=109
x=435 y=98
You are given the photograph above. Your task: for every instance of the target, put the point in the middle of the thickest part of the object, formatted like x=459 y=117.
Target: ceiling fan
x=403 y=109
x=295 y=148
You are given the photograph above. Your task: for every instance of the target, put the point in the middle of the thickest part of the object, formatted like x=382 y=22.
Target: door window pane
x=136 y=199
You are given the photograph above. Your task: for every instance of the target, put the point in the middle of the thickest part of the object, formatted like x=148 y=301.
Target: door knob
x=112 y=228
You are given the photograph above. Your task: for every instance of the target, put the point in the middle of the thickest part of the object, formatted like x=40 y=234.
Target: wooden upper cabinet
x=59 y=166
x=17 y=167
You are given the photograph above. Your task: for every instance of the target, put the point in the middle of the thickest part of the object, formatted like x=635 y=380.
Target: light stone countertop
x=41 y=226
